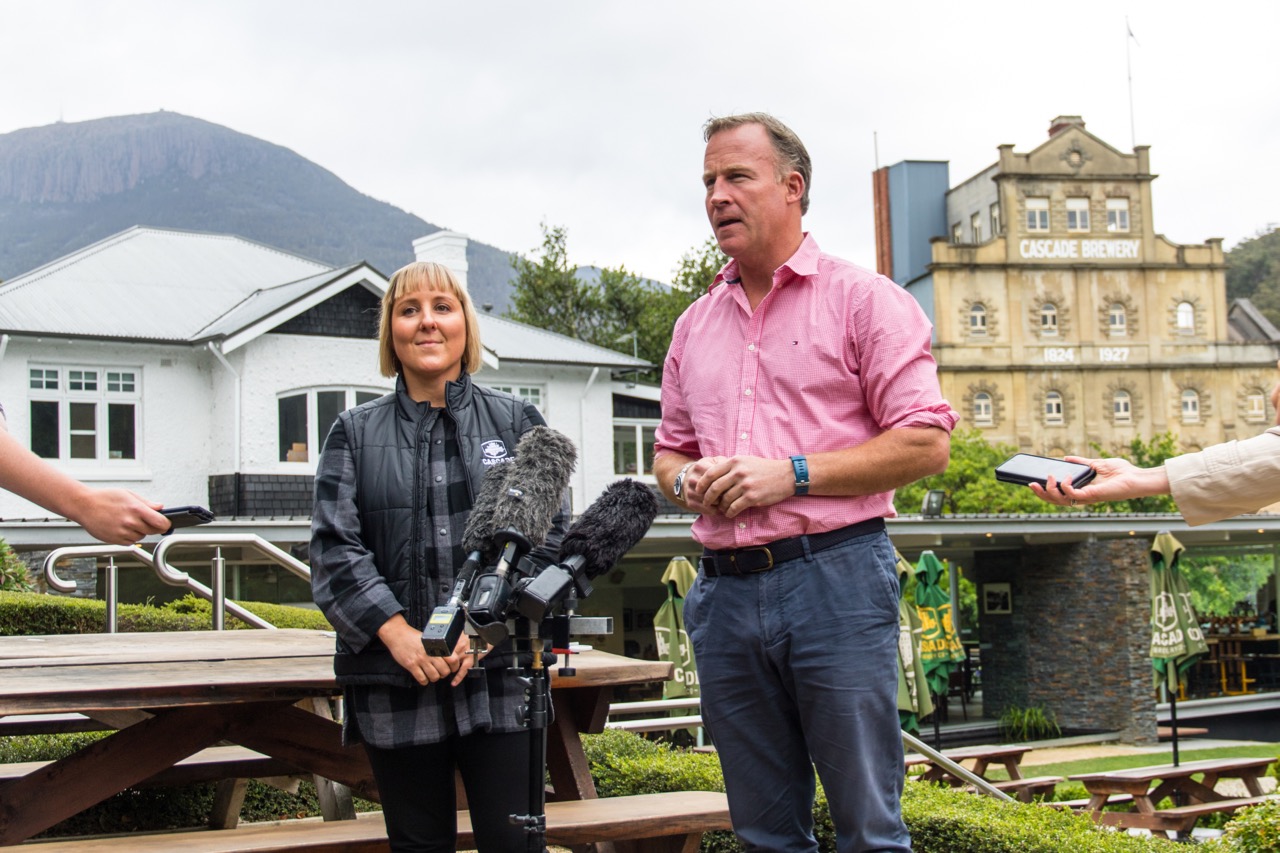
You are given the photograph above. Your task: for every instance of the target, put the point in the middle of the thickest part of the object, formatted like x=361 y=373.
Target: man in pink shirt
x=798 y=393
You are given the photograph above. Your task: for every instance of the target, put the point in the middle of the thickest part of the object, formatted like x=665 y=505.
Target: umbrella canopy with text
x=940 y=649
x=668 y=628
x=1176 y=639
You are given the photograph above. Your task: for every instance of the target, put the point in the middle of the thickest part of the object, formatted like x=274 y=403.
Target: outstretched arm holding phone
x=115 y=516
x=1218 y=482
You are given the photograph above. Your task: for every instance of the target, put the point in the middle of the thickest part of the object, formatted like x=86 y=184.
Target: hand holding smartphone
x=185 y=516
x=1024 y=469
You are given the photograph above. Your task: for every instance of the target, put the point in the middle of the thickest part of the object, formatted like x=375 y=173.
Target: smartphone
x=185 y=516
x=1023 y=468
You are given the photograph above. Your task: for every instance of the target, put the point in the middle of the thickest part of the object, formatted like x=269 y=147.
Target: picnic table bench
x=1143 y=788
x=1008 y=756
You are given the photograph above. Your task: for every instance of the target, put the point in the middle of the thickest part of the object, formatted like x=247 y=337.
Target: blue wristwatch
x=801 y=466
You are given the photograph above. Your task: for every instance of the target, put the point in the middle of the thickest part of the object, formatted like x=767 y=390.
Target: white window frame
x=79 y=384
x=1117 y=320
x=1255 y=406
x=978 y=320
x=1118 y=215
x=994 y=211
x=1078 y=215
x=638 y=425
x=975 y=225
x=1185 y=318
x=1049 y=320
x=1190 y=405
x=982 y=409
x=957 y=233
x=1053 y=409
x=1122 y=407
x=531 y=392
x=1037 y=213
x=316 y=434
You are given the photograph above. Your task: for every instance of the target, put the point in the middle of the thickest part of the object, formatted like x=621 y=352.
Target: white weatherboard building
x=205 y=369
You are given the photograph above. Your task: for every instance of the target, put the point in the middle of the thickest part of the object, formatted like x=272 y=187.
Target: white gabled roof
x=518 y=342
x=148 y=284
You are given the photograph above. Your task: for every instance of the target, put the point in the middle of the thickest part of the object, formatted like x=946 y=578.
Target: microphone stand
x=538 y=692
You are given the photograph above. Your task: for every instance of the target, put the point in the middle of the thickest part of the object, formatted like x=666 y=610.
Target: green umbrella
x=914 y=701
x=668 y=627
x=940 y=649
x=1176 y=639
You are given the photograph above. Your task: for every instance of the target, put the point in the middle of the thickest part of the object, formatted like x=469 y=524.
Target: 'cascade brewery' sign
x=1083 y=249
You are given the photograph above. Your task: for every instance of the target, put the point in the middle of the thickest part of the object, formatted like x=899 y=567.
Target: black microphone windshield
x=611 y=526
x=535 y=484
x=478 y=534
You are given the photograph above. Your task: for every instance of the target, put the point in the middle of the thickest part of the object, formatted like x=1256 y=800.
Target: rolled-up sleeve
x=345 y=581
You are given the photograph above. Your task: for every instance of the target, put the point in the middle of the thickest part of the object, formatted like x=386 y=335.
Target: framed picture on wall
x=997 y=598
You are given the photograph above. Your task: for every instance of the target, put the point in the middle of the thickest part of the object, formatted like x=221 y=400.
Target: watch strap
x=800 y=466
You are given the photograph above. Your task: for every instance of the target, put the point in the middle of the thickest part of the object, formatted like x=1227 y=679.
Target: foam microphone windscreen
x=535 y=483
x=611 y=526
x=478 y=534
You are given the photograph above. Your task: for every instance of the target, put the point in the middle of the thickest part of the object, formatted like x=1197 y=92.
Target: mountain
x=65 y=186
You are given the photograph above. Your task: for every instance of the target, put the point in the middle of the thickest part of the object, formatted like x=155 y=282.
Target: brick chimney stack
x=1063 y=122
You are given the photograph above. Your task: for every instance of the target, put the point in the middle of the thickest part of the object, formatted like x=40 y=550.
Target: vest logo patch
x=494 y=450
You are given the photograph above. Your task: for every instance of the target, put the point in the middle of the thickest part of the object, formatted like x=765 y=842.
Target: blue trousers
x=798 y=667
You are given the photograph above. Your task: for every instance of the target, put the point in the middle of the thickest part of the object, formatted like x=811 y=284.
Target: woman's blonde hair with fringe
x=423 y=275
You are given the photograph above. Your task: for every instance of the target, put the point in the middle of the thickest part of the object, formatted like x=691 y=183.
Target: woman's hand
x=405 y=644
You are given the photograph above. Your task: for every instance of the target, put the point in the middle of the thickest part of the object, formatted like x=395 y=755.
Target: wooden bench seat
x=207 y=765
x=645 y=823
x=1116 y=800
x=1026 y=789
x=1196 y=810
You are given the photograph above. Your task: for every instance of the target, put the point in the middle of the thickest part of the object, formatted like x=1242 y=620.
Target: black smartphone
x=1023 y=468
x=185 y=516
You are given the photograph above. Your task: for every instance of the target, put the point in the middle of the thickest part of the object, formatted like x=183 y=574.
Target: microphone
x=609 y=528
x=535 y=485
x=443 y=628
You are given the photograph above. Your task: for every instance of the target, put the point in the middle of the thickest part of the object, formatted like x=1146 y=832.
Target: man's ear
x=795 y=186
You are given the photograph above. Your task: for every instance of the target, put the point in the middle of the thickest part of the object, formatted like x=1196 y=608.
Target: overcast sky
x=491 y=116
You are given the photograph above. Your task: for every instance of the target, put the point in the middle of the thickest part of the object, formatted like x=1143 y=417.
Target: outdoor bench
x=671 y=822
x=1188 y=814
x=1028 y=788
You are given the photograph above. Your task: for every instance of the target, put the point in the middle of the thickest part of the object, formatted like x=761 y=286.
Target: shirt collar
x=803 y=263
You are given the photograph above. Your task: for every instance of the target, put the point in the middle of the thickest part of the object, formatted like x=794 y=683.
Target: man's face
x=746 y=202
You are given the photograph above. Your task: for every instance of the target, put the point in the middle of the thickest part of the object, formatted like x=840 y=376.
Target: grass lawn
x=1149 y=759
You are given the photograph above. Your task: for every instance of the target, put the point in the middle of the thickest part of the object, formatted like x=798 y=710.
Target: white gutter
x=235 y=459
x=4 y=345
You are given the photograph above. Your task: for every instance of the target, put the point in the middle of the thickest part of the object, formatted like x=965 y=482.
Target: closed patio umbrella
x=668 y=627
x=1176 y=639
x=914 y=701
x=940 y=649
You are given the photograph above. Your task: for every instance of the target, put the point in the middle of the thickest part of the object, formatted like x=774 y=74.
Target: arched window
x=982 y=408
x=978 y=319
x=1049 y=319
x=1117 y=320
x=1186 y=318
x=1190 y=406
x=1255 y=405
x=1053 y=408
x=1122 y=407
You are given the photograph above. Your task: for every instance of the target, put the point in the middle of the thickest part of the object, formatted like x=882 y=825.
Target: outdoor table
x=1149 y=785
x=1009 y=757
x=198 y=688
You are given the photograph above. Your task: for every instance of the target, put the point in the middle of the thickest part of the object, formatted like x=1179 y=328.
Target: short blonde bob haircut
x=425 y=276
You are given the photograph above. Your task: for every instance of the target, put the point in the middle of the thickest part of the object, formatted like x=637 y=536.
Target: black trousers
x=418 y=797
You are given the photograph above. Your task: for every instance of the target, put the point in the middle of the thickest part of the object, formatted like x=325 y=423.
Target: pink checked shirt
x=833 y=356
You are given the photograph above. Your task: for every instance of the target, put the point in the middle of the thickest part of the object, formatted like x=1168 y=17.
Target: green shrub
x=32 y=613
x=1254 y=830
x=14 y=576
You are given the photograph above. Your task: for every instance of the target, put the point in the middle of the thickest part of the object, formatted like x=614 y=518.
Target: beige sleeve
x=1226 y=479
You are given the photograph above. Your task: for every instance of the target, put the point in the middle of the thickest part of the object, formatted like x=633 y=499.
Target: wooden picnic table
x=1143 y=788
x=190 y=690
x=1008 y=756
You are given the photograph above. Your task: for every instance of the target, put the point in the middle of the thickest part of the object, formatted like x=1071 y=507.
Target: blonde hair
x=422 y=275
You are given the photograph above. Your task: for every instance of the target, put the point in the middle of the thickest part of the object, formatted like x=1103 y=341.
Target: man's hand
x=405 y=644
x=1116 y=480
x=736 y=484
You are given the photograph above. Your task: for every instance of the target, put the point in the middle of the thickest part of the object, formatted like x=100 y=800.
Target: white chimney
x=447 y=248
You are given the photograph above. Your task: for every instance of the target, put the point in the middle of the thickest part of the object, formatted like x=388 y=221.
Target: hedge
x=24 y=613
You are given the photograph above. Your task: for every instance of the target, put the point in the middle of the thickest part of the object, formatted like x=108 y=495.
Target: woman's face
x=429 y=333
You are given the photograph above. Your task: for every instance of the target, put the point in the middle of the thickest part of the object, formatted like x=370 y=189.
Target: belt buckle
x=733 y=558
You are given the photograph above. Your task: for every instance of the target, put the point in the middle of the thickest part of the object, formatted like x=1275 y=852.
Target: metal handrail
x=218 y=595
x=108 y=551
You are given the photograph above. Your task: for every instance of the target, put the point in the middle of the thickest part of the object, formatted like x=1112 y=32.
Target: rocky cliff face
x=65 y=186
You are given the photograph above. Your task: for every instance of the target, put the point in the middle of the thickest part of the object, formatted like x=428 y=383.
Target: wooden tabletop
x=86 y=672
x=1231 y=767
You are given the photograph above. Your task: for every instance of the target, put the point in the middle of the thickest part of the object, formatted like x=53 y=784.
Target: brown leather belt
x=762 y=558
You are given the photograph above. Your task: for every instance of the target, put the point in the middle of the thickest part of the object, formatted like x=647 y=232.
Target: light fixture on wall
x=932 y=505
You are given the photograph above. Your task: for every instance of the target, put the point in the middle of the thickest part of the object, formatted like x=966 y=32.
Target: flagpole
x=1133 y=134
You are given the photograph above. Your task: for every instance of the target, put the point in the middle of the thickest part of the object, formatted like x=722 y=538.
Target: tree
x=970 y=483
x=1253 y=271
x=548 y=294
x=1219 y=582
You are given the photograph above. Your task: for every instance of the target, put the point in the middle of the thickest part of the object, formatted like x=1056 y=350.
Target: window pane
x=624 y=450
x=650 y=437
x=363 y=397
x=44 y=380
x=84 y=430
x=122 y=382
x=329 y=404
x=82 y=380
x=293 y=428
x=44 y=429
x=120 y=431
